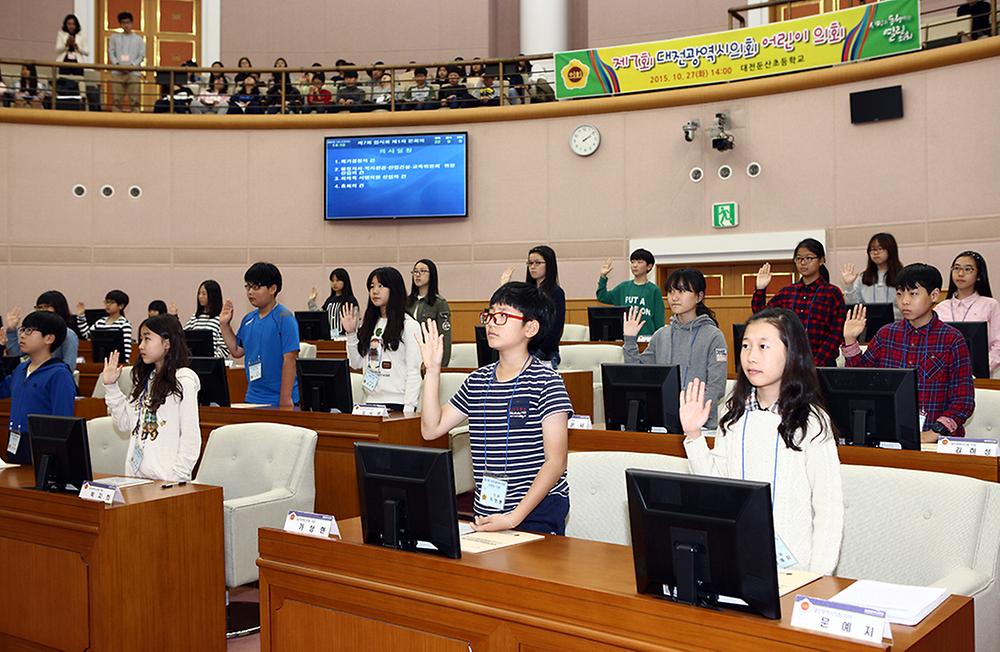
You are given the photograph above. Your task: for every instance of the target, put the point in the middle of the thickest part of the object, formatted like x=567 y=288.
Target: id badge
x=135 y=461
x=371 y=378
x=255 y=371
x=13 y=441
x=493 y=492
x=783 y=555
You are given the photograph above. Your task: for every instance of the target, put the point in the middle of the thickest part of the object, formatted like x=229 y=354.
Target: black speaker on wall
x=877 y=104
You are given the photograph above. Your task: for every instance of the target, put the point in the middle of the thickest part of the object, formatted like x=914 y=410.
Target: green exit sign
x=725 y=215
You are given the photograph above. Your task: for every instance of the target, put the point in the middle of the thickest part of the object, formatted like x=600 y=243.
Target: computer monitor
x=91 y=315
x=738 y=331
x=407 y=498
x=977 y=337
x=60 y=452
x=703 y=541
x=877 y=316
x=640 y=397
x=200 y=343
x=606 y=323
x=873 y=407
x=485 y=354
x=313 y=324
x=325 y=385
x=106 y=340
x=214 y=379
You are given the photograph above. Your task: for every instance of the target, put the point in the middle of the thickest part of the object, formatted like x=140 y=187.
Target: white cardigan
x=81 y=47
x=174 y=452
x=401 y=382
x=808 y=496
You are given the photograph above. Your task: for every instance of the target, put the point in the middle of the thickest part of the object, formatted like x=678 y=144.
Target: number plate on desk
x=580 y=423
x=314 y=525
x=101 y=493
x=367 y=410
x=838 y=619
x=966 y=446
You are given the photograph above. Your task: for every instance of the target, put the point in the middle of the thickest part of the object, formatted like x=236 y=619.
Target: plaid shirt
x=821 y=308
x=944 y=369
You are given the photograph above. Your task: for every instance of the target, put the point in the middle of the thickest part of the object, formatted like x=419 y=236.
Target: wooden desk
x=329 y=348
x=983 y=468
x=579 y=386
x=78 y=575
x=90 y=374
x=556 y=594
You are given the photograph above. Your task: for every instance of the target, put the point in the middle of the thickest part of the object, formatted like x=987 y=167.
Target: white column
x=211 y=33
x=757 y=17
x=86 y=11
x=544 y=26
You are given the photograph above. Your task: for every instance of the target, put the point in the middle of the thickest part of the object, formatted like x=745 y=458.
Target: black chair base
x=242 y=619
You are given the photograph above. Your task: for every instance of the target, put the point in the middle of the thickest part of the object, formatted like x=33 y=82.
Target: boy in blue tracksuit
x=40 y=385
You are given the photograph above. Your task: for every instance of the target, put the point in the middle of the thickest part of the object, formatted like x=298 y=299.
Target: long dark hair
x=213 y=306
x=887 y=242
x=551 y=279
x=800 y=394
x=75 y=19
x=395 y=311
x=432 y=284
x=31 y=81
x=57 y=300
x=982 y=285
x=347 y=294
x=165 y=382
x=690 y=280
x=815 y=247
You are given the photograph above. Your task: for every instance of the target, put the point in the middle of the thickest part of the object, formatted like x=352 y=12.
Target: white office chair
x=265 y=470
x=575 y=333
x=463 y=355
x=124 y=383
x=985 y=421
x=307 y=351
x=591 y=356
x=458 y=439
x=108 y=446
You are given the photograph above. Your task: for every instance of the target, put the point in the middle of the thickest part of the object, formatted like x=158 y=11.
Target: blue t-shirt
x=266 y=341
x=492 y=407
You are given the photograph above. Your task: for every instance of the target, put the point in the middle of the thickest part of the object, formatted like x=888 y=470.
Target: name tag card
x=582 y=422
x=313 y=525
x=368 y=410
x=966 y=446
x=101 y=493
x=837 y=619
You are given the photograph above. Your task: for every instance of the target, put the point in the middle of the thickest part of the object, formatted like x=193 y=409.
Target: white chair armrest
x=964 y=581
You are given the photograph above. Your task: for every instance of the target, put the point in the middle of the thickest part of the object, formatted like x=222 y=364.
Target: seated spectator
x=459 y=65
x=420 y=96
x=337 y=77
x=319 y=99
x=305 y=81
x=182 y=98
x=980 y=12
x=29 y=90
x=374 y=75
x=4 y=93
x=350 y=96
x=454 y=94
x=215 y=98
x=519 y=79
x=382 y=94
x=281 y=82
x=441 y=76
x=247 y=99
x=212 y=76
x=475 y=74
x=244 y=62
x=487 y=91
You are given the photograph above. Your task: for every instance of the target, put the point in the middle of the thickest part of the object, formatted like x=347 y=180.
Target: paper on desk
x=5 y=465
x=789 y=580
x=121 y=482
x=476 y=542
x=928 y=447
x=464 y=527
x=902 y=604
x=250 y=405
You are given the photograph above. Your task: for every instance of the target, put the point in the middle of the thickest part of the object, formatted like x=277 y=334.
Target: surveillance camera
x=725 y=172
x=79 y=190
x=723 y=142
x=753 y=169
x=107 y=191
x=135 y=192
x=696 y=174
x=690 y=127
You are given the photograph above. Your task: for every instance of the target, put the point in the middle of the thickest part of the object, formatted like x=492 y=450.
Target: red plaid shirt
x=944 y=369
x=821 y=308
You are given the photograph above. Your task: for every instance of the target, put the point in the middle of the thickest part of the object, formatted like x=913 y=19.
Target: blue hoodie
x=49 y=390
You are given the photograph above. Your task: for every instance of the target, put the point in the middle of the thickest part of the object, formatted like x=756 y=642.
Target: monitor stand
x=859 y=427
x=690 y=565
x=42 y=473
x=632 y=418
x=316 y=399
x=392 y=516
x=605 y=328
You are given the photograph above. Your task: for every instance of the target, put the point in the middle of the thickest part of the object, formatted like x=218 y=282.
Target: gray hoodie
x=698 y=347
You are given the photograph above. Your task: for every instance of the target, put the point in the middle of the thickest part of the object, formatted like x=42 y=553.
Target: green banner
x=855 y=34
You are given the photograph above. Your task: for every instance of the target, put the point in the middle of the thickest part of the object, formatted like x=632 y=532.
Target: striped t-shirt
x=488 y=403
x=205 y=323
x=121 y=324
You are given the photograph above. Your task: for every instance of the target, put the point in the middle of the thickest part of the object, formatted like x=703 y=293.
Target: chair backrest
x=916 y=527
x=450 y=382
x=108 y=447
x=307 y=351
x=463 y=355
x=597 y=498
x=589 y=356
x=357 y=387
x=576 y=333
x=985 y=421
x=124 y=383
x=250 y=458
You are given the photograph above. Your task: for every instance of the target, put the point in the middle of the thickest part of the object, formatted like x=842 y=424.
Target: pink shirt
x=976 y=308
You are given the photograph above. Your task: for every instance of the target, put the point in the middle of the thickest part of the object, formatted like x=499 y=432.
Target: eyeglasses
x=498 y=318
x=805 y=259
x=251 y=286
x=420 y=272
x=876 y=250
x=43 y=306
x=26 y=330
x=966 y=269
x=535 y=263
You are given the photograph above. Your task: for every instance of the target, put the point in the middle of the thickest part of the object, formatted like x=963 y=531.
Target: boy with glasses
x=51 y=390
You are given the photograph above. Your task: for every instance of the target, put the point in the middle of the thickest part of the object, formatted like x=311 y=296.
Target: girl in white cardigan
x=162 y=412
x=775 y=430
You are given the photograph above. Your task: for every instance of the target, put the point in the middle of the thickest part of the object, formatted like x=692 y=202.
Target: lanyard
x=510 y=402
x=967 y=310
x=743 y=455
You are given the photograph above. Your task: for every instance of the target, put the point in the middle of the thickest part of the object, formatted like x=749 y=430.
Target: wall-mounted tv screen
x=396 y=177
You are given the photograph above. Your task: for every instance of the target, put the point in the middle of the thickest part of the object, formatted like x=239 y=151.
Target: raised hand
x=607 y=267
x=764 y=276
x=13 y=319
x=431 y=346
x=172 y=309
x=505 y=277
x=226 y=316
x=855 y=323
x=349 y=318
x=81 y=308
x=694 y=410
x=111 y=369
x=632 y=322
x=313 y=294
x=849 y=273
